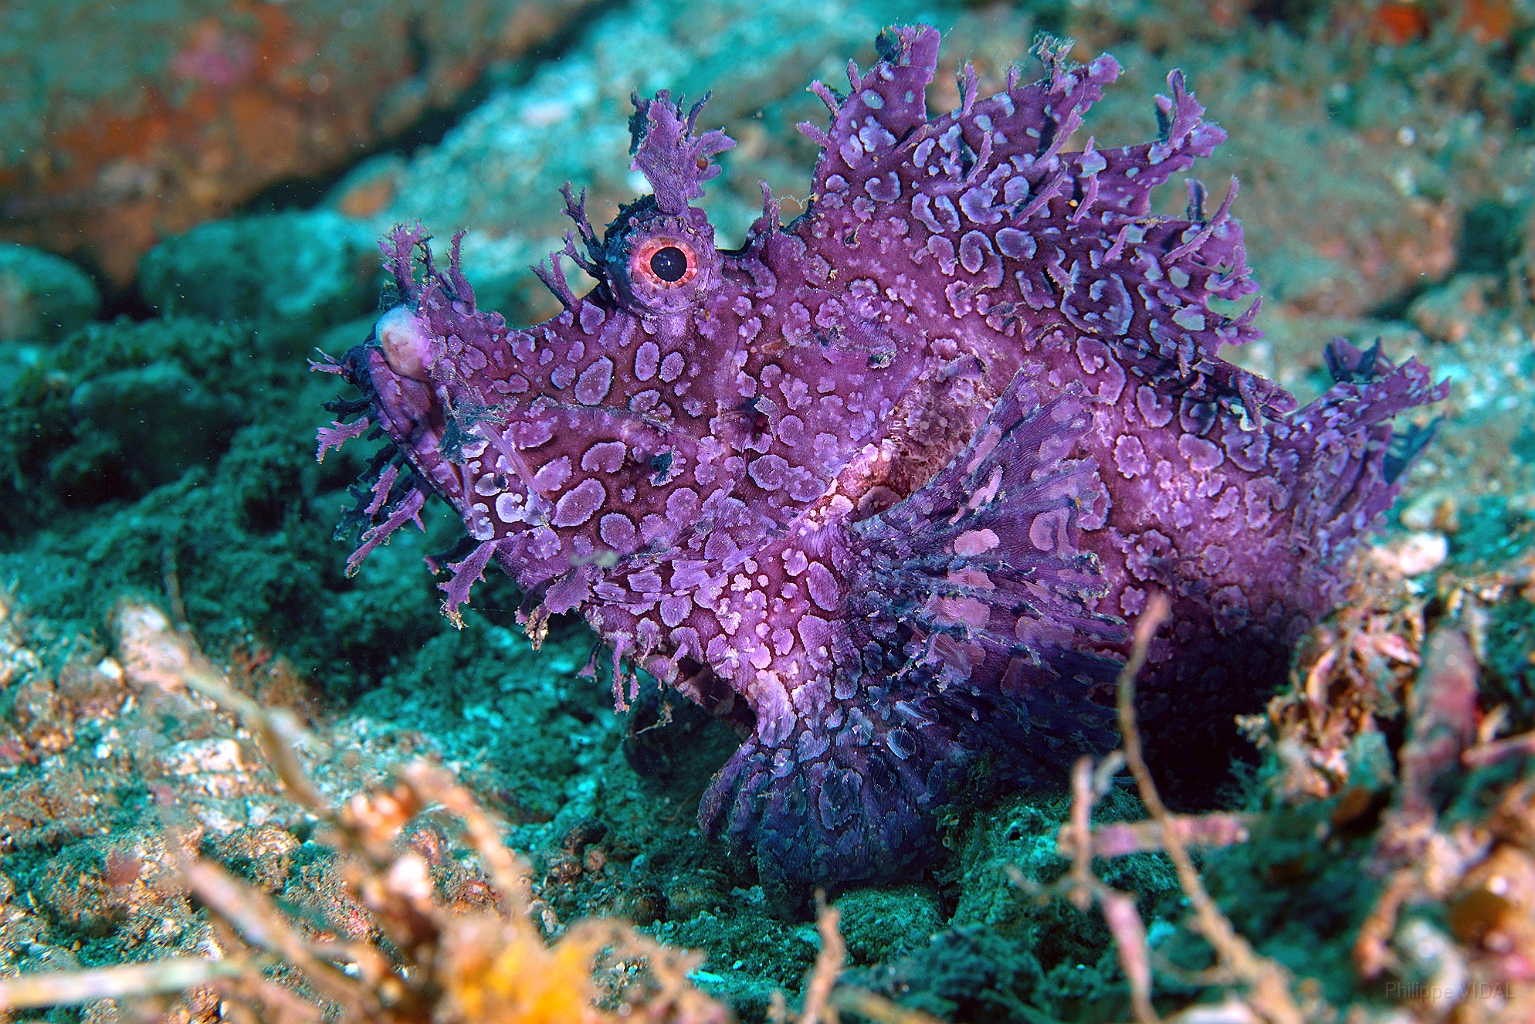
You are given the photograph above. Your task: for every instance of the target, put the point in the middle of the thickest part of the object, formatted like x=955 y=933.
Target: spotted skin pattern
x=883 y=486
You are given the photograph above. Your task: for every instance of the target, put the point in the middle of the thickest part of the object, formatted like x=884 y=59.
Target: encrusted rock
x=42 y=297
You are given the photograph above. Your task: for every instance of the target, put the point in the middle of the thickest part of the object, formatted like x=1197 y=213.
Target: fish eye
x=665 y=262
x=669 y=263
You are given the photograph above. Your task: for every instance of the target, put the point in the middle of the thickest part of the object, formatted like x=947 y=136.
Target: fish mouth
x=435 y=422
x=440 y=433
x=406 y=408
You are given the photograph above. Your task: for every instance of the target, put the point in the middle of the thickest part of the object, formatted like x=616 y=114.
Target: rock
x=881 y=925
x=42 y=297
x=119 y=409
x=1435 y=509
x=369 y=187
x=1450 y=312
x=314 y=269
x=102 y=884
x=164 y=420
x=1414 y=554
x=127 y=122
x=262 y=855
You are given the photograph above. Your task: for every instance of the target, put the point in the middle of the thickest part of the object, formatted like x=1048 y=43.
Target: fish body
x=883 y=486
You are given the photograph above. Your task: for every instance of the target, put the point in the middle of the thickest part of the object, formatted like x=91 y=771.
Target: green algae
x=242 y=538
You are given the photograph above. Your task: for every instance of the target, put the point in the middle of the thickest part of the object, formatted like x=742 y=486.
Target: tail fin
x=1354 y=462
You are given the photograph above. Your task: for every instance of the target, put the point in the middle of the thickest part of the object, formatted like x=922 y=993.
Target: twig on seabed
x=70 y=988
x=1268 y=983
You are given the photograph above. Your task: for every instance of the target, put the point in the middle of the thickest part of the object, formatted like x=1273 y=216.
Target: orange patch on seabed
x=367 y=198
x=115 y=182
x=1227 y=14
x=1487 y=21
x=1399 y=22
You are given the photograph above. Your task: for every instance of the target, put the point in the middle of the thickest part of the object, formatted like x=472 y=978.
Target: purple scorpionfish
x=883 y=486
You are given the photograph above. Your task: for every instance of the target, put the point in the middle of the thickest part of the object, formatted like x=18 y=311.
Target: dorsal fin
x=674 y=160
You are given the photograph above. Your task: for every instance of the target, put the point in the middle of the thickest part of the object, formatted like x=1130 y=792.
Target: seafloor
x=157 y=449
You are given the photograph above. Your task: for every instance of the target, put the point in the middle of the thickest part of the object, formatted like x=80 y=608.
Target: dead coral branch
x=1267 y=983
x=1263 y=989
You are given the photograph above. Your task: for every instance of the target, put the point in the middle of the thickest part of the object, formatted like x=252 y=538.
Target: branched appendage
x=351 y=420
x=580 y=259
x=553 y=277
x=407 y=510
x=465 y=574
x=1178 y=114
x=1364 y=479
x=381 y=488
x=325 y=364
x=674 y=160
x=969 y=88
x=769 y=207
x=575 y=209
x=1203 y=234
x=458 y=284
x=1349 y=365
x=1055 y=54
x=399 y=248
x=338 y=434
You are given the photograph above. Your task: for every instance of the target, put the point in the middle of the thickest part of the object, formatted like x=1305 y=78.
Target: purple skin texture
x=883 y=486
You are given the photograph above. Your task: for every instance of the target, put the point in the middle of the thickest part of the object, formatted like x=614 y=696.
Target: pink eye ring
x=665 y=262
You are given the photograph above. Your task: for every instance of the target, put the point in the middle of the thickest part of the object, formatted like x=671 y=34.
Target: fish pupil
x=669 y=263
